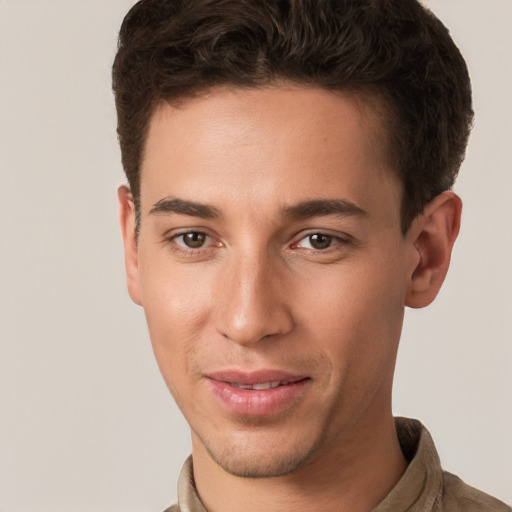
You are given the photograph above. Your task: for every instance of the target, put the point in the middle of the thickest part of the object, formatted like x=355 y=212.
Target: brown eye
x=320 y=241
x=194 y=239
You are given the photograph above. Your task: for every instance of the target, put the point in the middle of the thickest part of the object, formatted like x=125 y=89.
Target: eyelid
x=343 y=238
x=176 y=236
x=170 y=239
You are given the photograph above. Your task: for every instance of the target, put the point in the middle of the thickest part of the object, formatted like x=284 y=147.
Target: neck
x=353 y=476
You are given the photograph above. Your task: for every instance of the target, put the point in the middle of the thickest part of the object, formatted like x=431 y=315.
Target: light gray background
x=86 y=423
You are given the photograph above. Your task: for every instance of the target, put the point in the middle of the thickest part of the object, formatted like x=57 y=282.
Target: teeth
x=267 y=385
x=258 y=387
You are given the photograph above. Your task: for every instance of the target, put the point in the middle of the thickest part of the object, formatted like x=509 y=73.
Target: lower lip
x=251 y=402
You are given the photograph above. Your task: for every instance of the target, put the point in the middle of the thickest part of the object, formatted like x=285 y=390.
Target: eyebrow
x=184 y=207
x=302 y=210
x=323 y=207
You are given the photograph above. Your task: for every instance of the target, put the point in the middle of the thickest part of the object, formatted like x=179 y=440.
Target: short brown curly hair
x=396 y=50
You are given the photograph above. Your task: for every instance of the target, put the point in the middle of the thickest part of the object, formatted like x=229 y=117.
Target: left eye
x=192 y=240
x=317 y=241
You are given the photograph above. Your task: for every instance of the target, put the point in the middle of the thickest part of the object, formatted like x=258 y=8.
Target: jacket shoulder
x=460 y=497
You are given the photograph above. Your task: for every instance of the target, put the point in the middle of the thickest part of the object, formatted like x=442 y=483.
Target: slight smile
x=259 y=393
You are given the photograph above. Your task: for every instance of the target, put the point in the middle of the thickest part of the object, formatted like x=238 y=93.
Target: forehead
x=235 y=144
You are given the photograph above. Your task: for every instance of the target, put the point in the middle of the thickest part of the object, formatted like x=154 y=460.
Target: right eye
x=192 y=240
x=317 y=241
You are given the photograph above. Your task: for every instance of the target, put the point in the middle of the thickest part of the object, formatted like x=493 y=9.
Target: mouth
x=259 y=393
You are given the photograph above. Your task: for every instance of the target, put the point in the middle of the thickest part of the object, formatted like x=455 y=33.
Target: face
x=272 y=271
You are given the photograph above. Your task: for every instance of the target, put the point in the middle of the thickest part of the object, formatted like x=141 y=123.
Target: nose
x=253 y=300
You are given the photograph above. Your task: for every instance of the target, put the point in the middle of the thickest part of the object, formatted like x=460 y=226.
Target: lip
x=256 y=402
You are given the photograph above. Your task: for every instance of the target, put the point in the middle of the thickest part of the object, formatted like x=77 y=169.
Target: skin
x=267 y=285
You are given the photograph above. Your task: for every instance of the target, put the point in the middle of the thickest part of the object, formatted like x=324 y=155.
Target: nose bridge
x=253 y=305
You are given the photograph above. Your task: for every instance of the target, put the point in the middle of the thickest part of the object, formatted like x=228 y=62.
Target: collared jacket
x=424 y=487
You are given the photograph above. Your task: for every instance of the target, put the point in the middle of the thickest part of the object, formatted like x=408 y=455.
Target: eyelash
x=334 y=242
x=182 y=248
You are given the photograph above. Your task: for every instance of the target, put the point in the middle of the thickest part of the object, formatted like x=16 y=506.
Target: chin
x=254 y=457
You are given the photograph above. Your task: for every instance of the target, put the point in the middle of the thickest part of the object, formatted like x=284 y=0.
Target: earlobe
x=127 y=224
x=433 y=234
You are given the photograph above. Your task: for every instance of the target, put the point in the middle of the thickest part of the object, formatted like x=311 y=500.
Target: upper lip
x=254 y=377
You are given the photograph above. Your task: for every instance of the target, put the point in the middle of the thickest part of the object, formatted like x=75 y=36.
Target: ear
x=127 y=223
x=432 y=234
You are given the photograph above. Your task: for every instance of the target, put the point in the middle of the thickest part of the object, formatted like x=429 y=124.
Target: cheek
x=177 y=307
x=174 y=296
x=360 y=314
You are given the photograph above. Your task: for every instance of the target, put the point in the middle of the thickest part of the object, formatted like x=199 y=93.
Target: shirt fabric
x=424 y=487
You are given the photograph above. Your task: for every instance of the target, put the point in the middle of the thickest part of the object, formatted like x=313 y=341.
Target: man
x=290 y=165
